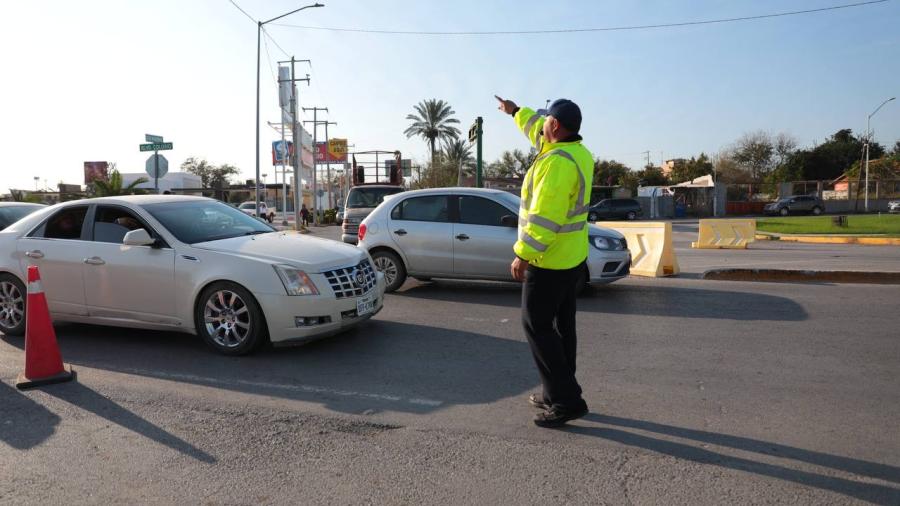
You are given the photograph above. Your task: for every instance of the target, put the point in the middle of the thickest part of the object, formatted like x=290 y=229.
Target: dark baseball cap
x=567 y=113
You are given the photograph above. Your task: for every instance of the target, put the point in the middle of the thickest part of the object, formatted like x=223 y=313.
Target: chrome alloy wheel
x=227 y=318
x=12 y=305
x=387 y=267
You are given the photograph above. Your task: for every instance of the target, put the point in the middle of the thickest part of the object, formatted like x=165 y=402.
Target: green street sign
x=156 y=146
x=153 y=138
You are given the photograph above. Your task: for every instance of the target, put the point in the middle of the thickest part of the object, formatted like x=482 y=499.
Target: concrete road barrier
x=650 y=243
x=731 y=234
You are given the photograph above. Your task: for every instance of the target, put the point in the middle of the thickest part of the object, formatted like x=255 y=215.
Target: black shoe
x=537 y=400
x=555 y=417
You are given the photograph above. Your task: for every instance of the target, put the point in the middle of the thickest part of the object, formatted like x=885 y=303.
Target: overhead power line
x=582 y=30
x=238 y=7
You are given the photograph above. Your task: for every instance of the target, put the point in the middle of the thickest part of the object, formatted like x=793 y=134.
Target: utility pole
x=328 y=164
x=296 y=140
x=315 y=122
x=648 y=157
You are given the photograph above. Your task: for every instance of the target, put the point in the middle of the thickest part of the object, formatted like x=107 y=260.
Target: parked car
x=465 y=233
x=894 y=206
x=11 y=212
x=187 y=264
x=796 y=204
x=617 y=209
x=249 y=206
x=361 y=200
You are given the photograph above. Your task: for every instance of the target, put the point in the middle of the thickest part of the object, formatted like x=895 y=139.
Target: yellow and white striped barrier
x=650 y=244
x=730 y=234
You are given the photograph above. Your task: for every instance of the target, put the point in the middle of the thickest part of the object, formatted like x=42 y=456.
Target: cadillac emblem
x=359 y=278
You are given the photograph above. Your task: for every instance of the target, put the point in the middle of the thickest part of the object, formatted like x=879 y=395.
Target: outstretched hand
x=507 y=106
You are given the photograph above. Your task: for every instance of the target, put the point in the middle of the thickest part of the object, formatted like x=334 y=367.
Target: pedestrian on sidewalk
x=304 y=215
x=551 y=251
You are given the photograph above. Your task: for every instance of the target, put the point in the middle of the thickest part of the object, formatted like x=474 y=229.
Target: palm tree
x=433 y=122
x=114 y=186
x=458 y=155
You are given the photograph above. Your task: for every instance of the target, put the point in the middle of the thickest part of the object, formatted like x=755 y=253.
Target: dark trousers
x=548 y=314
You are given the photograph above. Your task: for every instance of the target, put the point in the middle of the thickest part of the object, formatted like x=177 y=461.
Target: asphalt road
x=701 y=392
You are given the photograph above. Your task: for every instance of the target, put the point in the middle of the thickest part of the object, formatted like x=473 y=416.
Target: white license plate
x=365 y=305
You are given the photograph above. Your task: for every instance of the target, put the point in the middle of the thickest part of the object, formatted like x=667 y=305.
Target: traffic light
x=360 y=174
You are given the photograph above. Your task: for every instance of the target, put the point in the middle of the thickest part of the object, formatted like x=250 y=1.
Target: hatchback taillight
x=362 y=232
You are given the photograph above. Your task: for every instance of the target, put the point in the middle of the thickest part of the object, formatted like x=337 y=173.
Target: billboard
x=96 y=170
x=282 y=153
x=334 y=152
x=286 y=89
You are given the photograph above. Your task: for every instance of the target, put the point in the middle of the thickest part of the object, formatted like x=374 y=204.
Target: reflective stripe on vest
x=531 y=241
x=579 y=208
x=552 y=225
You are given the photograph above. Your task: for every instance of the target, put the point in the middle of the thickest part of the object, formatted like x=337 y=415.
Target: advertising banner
x=282 y=152
x=96 y=170
x=334 y=152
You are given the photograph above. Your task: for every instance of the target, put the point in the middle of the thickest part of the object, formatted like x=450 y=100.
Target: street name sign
x=153 y=138
x=156 y=146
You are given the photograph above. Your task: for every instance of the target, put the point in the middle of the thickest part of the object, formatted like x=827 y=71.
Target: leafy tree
x=433 y=122
x=513 y=163
x=755 y=153
x=895 y=152
x=728 y=170
x=24 y=196
x=211 y=176
x=835 y=156
x=610 y=172
x=689 y=170
x=652 y=176
x=115 y=186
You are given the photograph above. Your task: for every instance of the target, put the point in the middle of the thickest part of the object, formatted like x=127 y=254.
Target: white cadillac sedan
x=189 y=264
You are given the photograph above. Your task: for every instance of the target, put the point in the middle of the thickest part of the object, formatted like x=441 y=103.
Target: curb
x=832 y=239
x=788 y=276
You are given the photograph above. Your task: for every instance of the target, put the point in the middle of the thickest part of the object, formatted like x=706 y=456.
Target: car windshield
x=368 y=197
x=247 y=205
x=205 y=220
x=12 y=214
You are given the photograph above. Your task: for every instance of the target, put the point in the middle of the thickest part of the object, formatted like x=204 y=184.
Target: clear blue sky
x=85 y=80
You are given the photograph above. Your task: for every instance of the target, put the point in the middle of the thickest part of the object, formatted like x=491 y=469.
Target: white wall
x=171 y=180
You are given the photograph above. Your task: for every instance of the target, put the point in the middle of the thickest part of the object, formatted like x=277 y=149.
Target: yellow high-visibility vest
x=556 y=194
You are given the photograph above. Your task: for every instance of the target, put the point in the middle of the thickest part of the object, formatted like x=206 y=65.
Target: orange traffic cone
x=43 y=362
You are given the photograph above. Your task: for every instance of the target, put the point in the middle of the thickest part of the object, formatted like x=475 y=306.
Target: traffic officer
x=551 y=251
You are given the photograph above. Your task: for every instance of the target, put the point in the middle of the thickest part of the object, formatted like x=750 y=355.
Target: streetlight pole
x=869 y=141
x=259 y=26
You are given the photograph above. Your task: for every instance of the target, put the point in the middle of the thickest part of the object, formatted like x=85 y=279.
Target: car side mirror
x=139 y=237
x=509 y=221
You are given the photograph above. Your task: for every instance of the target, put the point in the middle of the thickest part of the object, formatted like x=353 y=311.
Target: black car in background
x=617 y=209
x=11 y=212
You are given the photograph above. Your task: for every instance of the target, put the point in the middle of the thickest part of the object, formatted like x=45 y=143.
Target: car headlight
x=607 y=243
x=295 y=281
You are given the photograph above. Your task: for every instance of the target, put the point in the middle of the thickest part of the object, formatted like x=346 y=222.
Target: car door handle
x=36 y=253
x=462 y=237
x=400 y=232
x=94 y=261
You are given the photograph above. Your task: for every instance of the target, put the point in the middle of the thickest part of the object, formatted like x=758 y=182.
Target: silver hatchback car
x=465 y=233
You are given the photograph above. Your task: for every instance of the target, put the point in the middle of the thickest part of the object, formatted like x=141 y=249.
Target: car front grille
x=351 y=281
